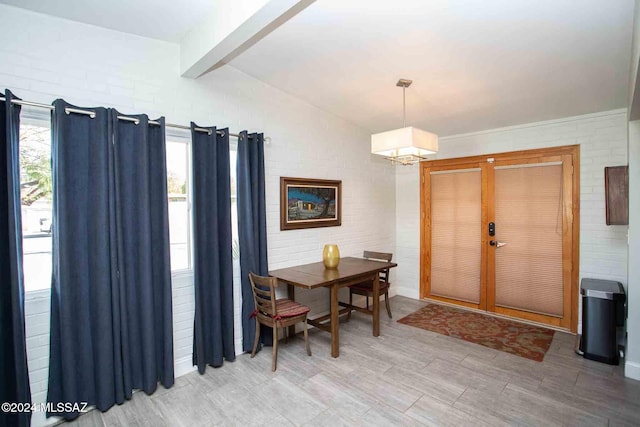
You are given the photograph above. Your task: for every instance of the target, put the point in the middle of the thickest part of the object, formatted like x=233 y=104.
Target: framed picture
x=310 y=203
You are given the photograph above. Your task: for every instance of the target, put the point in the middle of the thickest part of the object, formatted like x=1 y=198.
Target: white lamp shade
x=404 y=142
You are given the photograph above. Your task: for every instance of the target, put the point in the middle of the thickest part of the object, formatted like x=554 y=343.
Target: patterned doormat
x=516 y=338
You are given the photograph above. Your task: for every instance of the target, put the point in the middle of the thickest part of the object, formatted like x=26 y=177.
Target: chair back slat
x=377 y=256
x=264 y=294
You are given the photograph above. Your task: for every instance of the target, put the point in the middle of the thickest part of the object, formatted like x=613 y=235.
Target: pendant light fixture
x=407 y=145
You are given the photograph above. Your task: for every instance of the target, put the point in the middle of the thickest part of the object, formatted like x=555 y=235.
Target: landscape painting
x=308 y=203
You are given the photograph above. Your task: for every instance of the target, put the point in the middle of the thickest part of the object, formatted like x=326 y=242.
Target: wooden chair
x=275 y=313
x=366 y=288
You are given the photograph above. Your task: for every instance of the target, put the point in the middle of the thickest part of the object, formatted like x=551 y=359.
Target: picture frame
x=310 y=203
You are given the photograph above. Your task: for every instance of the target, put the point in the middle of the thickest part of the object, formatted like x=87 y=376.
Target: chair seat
x=288 y=308
x=368 y=287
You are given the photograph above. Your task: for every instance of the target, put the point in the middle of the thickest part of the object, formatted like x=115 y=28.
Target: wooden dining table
x=349 y=272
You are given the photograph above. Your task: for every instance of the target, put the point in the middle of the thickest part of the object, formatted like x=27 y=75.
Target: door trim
x=572 y=153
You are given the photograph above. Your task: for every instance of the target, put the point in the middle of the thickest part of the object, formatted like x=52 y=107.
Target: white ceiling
x=167 y=20
x=475 y=64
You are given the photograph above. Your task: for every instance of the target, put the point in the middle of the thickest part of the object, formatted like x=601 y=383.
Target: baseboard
x=183 y=366
x=409 y=293
x=632 y=370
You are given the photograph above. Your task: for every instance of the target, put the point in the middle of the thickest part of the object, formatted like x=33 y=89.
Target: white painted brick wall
x=603 y=142
x=44 y=58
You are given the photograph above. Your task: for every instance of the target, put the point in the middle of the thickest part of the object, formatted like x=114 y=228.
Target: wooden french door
x=500 y=233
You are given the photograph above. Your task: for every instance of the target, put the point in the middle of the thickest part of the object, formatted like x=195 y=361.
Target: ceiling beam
x=230 y=29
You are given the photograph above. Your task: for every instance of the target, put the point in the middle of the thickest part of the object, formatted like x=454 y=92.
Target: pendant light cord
x=404 y=108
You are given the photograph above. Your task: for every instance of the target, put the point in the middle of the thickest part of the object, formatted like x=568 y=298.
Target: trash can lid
x=603 y=289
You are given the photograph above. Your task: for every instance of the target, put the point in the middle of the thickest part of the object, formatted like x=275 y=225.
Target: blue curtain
x=111 y=325
x=252 y=228
x=142 y=230
x=212 y=253
x=85 y=363
x=14 y=376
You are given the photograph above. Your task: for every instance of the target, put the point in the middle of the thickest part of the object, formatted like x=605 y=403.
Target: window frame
x=174 y=135
x=33 y=116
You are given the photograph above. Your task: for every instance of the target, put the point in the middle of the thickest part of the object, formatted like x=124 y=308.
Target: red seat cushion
x=368 y=287
x=289 y=308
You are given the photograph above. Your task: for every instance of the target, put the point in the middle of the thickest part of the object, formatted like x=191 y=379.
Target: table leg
x=376 y=305
x=291 y=294
x=335 y=322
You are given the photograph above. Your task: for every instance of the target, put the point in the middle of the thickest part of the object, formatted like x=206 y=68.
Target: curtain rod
x=92 y=114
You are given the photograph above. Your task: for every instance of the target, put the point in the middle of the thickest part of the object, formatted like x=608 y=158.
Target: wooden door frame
x=573 y=151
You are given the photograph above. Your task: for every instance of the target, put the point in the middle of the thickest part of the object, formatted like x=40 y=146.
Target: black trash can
x=603 y=314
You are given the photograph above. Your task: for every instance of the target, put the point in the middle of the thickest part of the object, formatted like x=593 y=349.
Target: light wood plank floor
x=407 y=376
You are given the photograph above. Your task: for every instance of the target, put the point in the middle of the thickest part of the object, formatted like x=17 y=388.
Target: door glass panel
x=456 y=213
x=529 y=220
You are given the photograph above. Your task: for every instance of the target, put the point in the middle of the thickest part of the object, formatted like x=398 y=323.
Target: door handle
x=497 y=244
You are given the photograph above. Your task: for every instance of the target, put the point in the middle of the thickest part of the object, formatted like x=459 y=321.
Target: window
x=35 y=196
x=178 y=189
x=233 y=154
x=178 y=174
